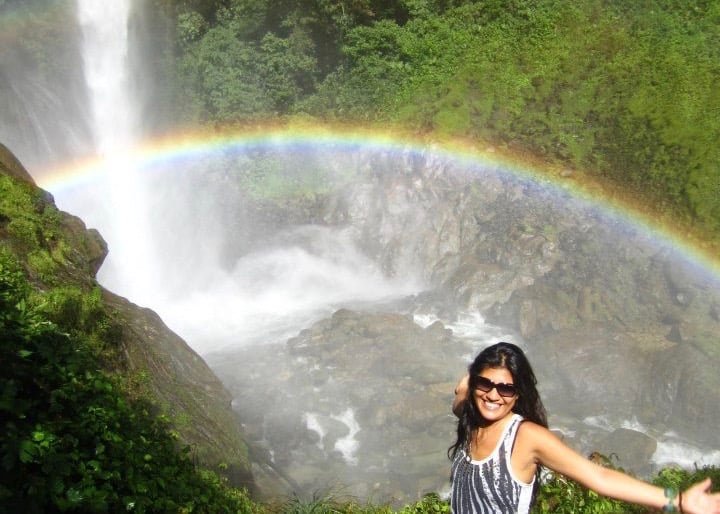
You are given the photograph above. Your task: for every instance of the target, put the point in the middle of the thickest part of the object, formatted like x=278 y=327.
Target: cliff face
x=185 y=388
x=181 y=383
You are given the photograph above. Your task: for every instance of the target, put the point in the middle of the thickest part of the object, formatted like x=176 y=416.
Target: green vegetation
x=72 y=440
x=78 y=435
x=624 y=91
x=268 y=176
x=21 y=206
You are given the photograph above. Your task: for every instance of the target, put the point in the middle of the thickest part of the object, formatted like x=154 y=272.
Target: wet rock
x=628 y=449
x=387 y=389
x=682 y=392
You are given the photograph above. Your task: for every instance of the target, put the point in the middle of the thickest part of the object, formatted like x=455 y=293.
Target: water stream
x=116 y=128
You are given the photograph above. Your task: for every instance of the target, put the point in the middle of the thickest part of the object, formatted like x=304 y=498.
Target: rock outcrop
x=351 y=400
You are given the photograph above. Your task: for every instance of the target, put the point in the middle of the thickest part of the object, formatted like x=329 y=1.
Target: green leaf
x=27 y=451
x=74 y=496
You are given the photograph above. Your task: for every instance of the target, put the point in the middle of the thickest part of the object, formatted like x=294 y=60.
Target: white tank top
x=489 y=486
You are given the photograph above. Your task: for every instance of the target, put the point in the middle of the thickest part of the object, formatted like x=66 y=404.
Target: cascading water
x=165 y=248
x=115 y=129
x=105 y=54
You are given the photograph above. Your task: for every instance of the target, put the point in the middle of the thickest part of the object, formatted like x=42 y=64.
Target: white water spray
x=266 y=296
x=115 y=128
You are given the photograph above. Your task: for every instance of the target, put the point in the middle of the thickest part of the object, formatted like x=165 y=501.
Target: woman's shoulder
x=533 y=440
x=530 y=429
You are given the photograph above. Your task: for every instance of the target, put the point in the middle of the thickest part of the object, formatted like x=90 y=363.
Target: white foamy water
x=106 y=68
x=313 y=424
x=670 y=453
x=470 y=327
x=270 y=296
x=348 y=445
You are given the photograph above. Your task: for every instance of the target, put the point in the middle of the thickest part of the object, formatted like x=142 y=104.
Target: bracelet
x=670 y=494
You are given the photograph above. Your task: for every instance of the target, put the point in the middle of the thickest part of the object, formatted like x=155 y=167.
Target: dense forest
x=624 y=92
x=618 y=93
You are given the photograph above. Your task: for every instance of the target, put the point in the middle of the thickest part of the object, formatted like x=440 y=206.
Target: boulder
x=628 y=449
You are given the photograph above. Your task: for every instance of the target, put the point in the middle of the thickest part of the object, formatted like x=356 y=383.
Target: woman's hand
x=461 y=394
x=462 y=386
x=697 y=499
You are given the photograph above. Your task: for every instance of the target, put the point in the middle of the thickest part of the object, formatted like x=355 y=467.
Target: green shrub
x=561 y=495
x=70 y=439
x=430 y=504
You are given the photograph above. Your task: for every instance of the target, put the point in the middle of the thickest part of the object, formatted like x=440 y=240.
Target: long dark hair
x=528 y=404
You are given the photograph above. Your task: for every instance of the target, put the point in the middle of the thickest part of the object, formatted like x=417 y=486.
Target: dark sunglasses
x=486 y=385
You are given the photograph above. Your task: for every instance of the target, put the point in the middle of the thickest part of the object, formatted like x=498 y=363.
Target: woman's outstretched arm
x=546 y=449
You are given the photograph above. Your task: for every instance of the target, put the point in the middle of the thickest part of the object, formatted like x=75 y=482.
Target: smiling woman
x=503 y=441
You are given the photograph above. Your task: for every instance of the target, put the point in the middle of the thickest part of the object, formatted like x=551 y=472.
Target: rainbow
x=17 y=20
x=186 y=146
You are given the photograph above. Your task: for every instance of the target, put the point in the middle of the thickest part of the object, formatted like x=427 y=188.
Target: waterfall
x=116 y=128
x=106 y=68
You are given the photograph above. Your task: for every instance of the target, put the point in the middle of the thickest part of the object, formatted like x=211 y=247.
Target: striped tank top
x=489 y=486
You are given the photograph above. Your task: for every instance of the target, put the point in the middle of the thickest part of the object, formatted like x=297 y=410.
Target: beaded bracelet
x=670 y=494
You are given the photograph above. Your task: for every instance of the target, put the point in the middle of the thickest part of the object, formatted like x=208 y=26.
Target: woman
x=503 y=440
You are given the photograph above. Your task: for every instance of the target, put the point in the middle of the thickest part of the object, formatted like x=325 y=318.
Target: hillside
x=93 y=372
x=622 y=93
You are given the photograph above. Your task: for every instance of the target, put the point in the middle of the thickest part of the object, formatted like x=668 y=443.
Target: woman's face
x=492 y=405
